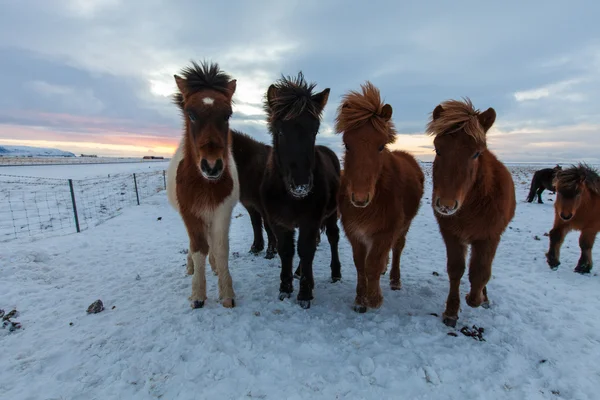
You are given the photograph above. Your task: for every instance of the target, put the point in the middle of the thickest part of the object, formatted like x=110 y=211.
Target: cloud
x=113 y=61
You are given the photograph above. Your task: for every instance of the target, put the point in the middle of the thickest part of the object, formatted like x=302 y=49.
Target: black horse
x=542 y=180
x=301 y=181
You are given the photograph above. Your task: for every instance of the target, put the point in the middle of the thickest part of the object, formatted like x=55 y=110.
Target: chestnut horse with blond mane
x=473 y=197
x=380 y=192
x=202 y=182
x=577 y=207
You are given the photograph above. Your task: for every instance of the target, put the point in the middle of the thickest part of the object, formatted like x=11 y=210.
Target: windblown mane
x=457 y=115
x=202 y=77
x=568 y=179
x=293 y=98
x=357 y=109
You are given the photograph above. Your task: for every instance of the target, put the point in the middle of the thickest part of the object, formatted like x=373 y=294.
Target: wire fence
x=42 y=207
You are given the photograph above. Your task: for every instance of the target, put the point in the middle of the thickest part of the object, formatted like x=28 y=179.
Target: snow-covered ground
x=29 y=151
x=542 y=332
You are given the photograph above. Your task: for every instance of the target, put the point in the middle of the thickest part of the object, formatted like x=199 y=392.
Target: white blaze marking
x=208 y=101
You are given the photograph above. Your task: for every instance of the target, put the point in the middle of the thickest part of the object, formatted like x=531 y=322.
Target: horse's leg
x=212 y=262
x=285 y=248
x=557 y=236
x=586 y=242
x=272 y=241
x=480 y=270
x=190 y=262
x=219 y=247
x=395 y=281
x=333 y=237
x=359 y=254
x=198 y=249
x=259 y=244
x=376 y=258
x=455 y=252
x=385 y=267
x=307 y=246
x=539 y=194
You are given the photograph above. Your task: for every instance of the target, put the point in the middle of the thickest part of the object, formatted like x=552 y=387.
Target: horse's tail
x=532 y=189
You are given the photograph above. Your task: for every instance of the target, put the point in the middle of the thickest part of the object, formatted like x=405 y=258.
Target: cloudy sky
x=96 y=75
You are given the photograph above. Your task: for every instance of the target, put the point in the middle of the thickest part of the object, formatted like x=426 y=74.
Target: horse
x=473 y=197
x=300 y=184
x=542 y=180
x=577 y=207
x=202 y=177
x=380 y=191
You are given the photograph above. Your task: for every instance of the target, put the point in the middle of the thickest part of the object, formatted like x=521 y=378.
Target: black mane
x=203 y=76
x=294 y=96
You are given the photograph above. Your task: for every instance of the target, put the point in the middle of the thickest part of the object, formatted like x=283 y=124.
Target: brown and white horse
x=202 y=178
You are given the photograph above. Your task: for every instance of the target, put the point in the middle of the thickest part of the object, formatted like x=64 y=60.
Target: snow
x=84 y=171
x=29 y=151
x=542 y=332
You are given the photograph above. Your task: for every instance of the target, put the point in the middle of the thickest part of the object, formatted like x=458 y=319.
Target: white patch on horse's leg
x=172 y=176
x=199 y=279
x=212 y=262
x=220 y=237
x=208 y=101
x=190 y=264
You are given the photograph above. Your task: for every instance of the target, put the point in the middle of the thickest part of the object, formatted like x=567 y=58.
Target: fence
x=41 y=207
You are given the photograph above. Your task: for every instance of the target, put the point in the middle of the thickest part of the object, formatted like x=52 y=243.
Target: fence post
x=74 y=205
x=164 y=179
x=136 y=189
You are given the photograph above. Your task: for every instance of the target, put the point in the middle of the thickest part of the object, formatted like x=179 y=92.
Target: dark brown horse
x=473 y=197
x=202 y=182
x=380 y=192
x=542 y=180
x=577 y=207
x=300 y=185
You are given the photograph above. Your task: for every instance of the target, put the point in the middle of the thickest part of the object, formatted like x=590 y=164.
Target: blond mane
x=457 y=115
x=358 y=108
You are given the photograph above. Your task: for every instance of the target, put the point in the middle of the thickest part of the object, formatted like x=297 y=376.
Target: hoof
x=270 y=255
x=472 y=301
x=450 y=321
x=583 y=269
x=396 y=285
x=305 y=304
x=197 y=304
x=297 y=276
x=256 y=249
x=553 y=263
x=375 y=302
x=360 y=309
x=486 y=305
x=284 y=295
x=229 y=303
x=335 y=279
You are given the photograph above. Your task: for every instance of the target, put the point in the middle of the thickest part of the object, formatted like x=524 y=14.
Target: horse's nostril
x=455 y=204
x=566 y=216
x=437 y=202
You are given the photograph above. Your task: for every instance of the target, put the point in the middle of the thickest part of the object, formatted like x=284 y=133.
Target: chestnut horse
x=577 y=207
x=380 y=192
x=300 y=185
x=473 y=198
x=202 y=183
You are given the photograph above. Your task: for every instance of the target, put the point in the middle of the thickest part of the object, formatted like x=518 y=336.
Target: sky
x=95 y=76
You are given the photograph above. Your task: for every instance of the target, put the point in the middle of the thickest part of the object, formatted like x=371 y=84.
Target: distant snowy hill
x=28 y=151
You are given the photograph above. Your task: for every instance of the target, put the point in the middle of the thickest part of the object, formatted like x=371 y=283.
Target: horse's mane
x=357 y=109
x=202 y=76
x=292 y=99
x=457 y=115
x=569 y=178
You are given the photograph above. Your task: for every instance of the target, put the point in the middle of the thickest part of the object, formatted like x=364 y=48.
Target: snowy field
x=542 y=332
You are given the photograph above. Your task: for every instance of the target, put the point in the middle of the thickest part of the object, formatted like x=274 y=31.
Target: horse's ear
x=487 y=119
x=321 y=99
x=181 y=84
x=231 y=87
x=437 y=112
x=386 y=112
x=271 y=95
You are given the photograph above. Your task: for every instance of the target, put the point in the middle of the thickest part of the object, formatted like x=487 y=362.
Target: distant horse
x=202 y=183
x=577 y=207
x=300 y=185
x=542 y=180
x=473 y=197
x=380 y=191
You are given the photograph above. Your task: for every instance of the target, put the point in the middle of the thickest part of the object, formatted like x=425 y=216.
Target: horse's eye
x=381 y=148
x=226 y=117
x=437 y=152
x=476 y=155
x=346 y=146
x=191 y=116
